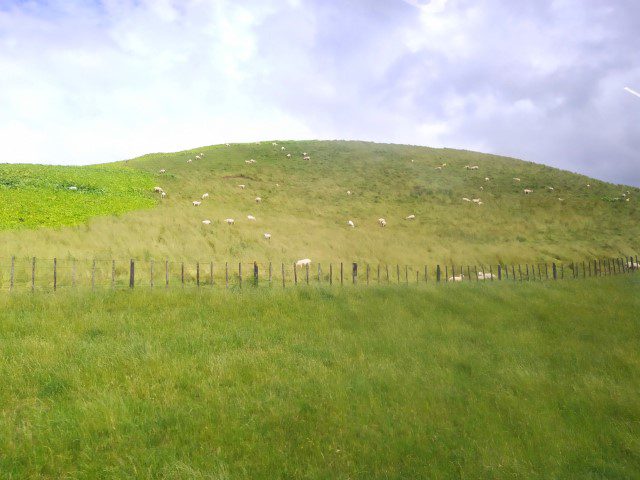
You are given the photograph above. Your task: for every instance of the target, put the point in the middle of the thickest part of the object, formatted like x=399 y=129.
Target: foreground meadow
x=535 y=380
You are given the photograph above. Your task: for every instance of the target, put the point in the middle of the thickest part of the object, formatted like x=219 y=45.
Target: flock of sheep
x=350 y=223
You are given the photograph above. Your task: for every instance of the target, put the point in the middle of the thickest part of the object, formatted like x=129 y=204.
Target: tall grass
x=305 y=207
x=461 y=381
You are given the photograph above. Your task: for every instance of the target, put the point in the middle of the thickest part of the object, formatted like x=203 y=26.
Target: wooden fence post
x=198 y=274
x=555 y=271
x=240 y=274
x=562 y=271
x=93 y=275
x=491 y=273
x=520 y=271
x=166 y=273
x=331 y=274
x=438 y=273
x=387 y=270
x=499 y=272
x=55 y=274
x=426 y=279
x=113 y=273
x=528 y=279
x=33 y=274
x=132 y=274
x=306 y=269
x=406 y=274
x=341 y=274
x=151 y=263
x=584 y=270
x=469 y=273
x=295 y=275
x=417 y=276
x=319 y=273
x=354 y=272
x=182 y=273
x=283 y=280
x=446 y=273
x=13 y=271
x=255 y=273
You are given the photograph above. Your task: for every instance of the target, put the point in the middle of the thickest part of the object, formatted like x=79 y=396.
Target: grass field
x=305 y=207
x=39 y=196
x=535 y=380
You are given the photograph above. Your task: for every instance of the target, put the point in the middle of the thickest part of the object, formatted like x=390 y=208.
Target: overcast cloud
x=541 y=80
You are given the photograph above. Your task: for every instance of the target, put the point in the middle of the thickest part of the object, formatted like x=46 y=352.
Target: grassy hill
x=305 y=207
x=398 y=382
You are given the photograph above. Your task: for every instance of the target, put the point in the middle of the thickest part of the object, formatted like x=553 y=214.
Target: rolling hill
x=305 y=207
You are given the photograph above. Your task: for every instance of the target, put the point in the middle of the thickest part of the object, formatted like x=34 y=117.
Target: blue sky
x=542 y=80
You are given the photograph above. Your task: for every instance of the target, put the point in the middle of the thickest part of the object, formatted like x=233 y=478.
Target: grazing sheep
x=163 y=195
x=251 y=217
x=249 y=162
x=476 y=200
x=486 y=179
x=348 y=192
x=205 y=195
x=282 y=148
x=155 y=189
x=189 y=161
x=206 y=222
x=411 y=217
x=227 y=144
x=550 y=189
x=230 y=221
x=288 y=155
x=196 y=203
x=76 y=188
x=306 y=157
x=561 y=199
x=479 y=203
x=241 y=186
x=197 y=157
x=527 y=191
x=588 y=185
x=633 y=265
x=516 y=179
x=304 y=154
x=162 y=170
x=443 y=165
x=456 y=278
x=267 y=236
x=303 y=262
x=438 y=168
x=486 y=276
x=382 y=222
x=258 y=199
x=351 y=224
x=472 y=167
x=465 y=199
x=482 y=188
x=274 y=144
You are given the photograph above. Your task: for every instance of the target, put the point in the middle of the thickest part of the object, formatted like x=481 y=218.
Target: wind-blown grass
x=305 y=207
x=460 y=381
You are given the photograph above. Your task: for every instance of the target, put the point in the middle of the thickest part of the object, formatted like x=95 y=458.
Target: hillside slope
x=305 y=207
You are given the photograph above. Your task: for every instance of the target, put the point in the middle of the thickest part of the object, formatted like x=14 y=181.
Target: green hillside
x=305 y=208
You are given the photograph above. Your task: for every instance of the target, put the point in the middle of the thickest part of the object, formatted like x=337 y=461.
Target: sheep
x=258 y=199
x=516 y=179
x=267 y=236
x=351 y=224
x=588 y=185
x=486 y=179
x=438 y=168
x=348 y=192
x=288 y=155
x=527 y=191
x=197 y=157
x=163 y=194
x=457 y=278
x=230 y=221
x=550 y=189
x=474 y=167
x=205 y=195
x=476 y=200
x=201 y=155
x=465 y=199
x=303 y=262
x=479 y=203
x=73 y=188
x=382 y=222
x=206 y=222
x=189 y=161
x=250 y=161
x=251 y=217
x=196 y=203
x=633 y=265
x=482 y=188
x=227 y=144
x=411 y=217
x=241 y=186
x=304 y=154
x=561 y=199
x=485 y=276
x=155 y=189
x=306 y=157
x=162 y=170
x=443 y=165
x=275 y=144
x=282 y=148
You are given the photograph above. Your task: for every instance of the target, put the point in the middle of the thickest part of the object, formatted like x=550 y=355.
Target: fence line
x=55 y=274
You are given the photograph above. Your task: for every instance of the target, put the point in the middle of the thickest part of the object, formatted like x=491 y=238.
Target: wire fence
x=19 y=274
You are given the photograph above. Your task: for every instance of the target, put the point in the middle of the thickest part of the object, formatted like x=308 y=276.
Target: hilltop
x=305 y=207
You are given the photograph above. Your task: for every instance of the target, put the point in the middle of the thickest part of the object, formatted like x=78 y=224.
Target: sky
x=103 y=80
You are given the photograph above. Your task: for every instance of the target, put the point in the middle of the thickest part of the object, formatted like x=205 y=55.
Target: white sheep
x=205 y=195
x=485 y=276
x=162 y=170
x=351 y=224
x=274 y=144
x=206 y=222
x=304 y=154
x=348 y=192
x=550 y=189
x=189 y=161
x=230 y=221
x=303 y=262
x=163 y=194
x=411 y=217
x=227 y=144
x=561 y=199
x=282 y=148
x=288 y=155
x=76 y=188
x=588 y=185
x=476 y=200
x=382 y=222
x=155 y=189
x=438 y=168
x=241 y=186
x=516 y=179
x=527 y=191
x=306 y=157
x=196 y=203
x=267 y=236
x=465 y=199
x=456 y=278
x=258 y=199
x=486 y=179
x=251 y=217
